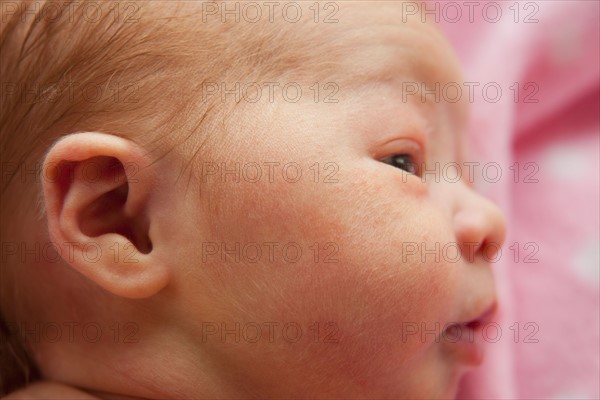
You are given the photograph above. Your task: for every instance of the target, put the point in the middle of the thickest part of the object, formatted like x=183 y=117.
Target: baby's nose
x=479 y=225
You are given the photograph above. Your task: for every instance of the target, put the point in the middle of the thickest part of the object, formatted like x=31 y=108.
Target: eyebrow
x=385 y=108
x=428 y=118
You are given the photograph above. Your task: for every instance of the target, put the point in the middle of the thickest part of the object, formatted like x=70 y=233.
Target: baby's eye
x=403 y=161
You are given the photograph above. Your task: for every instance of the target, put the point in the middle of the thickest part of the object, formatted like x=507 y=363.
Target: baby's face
x=342 y=281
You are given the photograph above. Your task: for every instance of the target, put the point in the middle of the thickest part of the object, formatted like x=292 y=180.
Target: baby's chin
x=434 y=376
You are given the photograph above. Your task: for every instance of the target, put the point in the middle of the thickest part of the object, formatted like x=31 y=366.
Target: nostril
x=480 y=229
x=470 y=231
x=491 y=251
x=473 y=324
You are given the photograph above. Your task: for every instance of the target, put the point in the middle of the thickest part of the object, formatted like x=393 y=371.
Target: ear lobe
x=96 y=193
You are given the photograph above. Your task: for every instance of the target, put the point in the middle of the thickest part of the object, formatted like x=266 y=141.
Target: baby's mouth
x=484 y=318
x=466 y=339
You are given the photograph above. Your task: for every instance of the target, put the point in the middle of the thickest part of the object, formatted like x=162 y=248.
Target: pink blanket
x=543 y=132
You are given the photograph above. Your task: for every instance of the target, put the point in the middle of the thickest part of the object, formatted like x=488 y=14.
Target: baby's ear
x=97 y=189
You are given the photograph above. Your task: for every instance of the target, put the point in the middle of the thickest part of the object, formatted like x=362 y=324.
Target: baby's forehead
x=371 y=41
x=385 y=43
x=374 y=44
x=364 y=38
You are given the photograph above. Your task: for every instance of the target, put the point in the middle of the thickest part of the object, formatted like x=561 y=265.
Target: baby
x=236 y=200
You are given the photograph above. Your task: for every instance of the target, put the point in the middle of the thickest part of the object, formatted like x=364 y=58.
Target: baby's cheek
x=378 y=286
x=383 y=304
x=356 y=237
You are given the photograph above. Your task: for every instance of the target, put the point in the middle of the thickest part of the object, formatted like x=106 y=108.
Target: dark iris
x=404 y=162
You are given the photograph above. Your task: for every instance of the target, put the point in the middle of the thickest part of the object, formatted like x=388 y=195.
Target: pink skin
x=370 y=294
x=374 y=291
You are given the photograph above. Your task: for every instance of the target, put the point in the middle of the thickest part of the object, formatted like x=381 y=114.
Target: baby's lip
x=483 y=318
x=465 y=339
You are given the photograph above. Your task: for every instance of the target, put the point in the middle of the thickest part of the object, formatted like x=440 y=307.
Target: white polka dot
x=565 y=162
x=586 y=262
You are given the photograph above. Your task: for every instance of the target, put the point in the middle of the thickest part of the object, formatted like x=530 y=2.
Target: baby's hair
x=73 y=66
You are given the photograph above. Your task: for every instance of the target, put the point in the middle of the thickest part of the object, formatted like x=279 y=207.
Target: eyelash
x=406 y=153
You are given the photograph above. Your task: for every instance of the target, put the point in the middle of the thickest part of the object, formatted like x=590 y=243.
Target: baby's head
x=239 y=208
